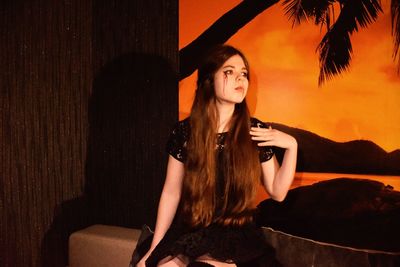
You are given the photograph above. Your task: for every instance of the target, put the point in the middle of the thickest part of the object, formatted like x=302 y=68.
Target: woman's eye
x=245 y=74
x=228 y=72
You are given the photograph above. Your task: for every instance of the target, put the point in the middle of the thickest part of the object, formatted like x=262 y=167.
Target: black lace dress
x=243 y=245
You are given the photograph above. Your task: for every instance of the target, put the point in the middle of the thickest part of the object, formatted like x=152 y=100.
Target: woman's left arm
x=277 y=179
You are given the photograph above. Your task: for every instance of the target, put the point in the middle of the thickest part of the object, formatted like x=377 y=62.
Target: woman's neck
x=225 y=113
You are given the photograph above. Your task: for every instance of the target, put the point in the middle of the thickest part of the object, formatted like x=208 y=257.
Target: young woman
x=218 y=156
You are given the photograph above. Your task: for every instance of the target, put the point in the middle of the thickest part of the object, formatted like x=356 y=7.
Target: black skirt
x=243 y=245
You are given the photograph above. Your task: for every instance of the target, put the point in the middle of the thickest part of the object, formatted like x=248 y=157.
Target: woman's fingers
x=256 y=129
x=260 y=131
x=266 y=143
x=262 y=137
x=263 y=134
x=271 y=137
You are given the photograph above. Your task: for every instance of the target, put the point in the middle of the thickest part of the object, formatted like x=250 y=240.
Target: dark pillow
x=357 y=213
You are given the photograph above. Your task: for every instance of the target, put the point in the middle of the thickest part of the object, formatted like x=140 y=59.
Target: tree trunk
x=219 y=33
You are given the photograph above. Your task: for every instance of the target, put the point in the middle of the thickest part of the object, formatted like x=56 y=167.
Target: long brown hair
x=240 y=163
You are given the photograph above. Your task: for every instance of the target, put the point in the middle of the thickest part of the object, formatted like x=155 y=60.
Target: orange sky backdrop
x=360 y=104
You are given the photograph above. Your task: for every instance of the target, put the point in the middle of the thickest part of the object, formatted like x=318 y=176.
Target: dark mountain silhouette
x=319 y=154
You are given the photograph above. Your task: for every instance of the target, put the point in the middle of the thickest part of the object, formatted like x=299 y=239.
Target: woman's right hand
x=142 y=262
x=168 y=203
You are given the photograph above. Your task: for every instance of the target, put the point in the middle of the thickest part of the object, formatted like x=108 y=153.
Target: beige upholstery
x=102 y=245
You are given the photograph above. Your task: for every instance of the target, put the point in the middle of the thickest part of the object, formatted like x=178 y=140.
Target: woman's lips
x=239 y=88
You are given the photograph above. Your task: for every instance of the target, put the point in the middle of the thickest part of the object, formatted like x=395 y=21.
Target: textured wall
x=87 y=97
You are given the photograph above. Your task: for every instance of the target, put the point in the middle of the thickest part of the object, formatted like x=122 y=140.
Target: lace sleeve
x=176 y=145
x=265 y=152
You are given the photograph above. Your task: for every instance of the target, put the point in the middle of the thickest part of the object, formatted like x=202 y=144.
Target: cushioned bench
x=356 y=223
x=294 y=251
x=102 y=245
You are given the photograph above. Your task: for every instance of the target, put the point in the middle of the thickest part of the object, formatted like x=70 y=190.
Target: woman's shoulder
x=176 y=144
x=254 y=122
x=265 y=152
x=184 y=123
x=182 y=128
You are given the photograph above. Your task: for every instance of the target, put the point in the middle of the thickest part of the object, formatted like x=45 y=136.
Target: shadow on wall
x=130 y=116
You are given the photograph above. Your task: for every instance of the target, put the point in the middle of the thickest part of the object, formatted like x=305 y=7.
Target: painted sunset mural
x=346 y=127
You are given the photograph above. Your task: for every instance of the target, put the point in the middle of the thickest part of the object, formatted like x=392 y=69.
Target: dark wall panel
x=46 y=72
x=132 y=108
x=87 y=96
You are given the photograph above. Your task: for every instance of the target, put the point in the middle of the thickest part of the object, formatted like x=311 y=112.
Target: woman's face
x=230 y=81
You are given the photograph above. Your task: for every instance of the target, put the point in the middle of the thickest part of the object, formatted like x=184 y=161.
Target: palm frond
x=300 y=10
x=395 y=14
x=359 y=13
x=295 y=11
x=322 y=12
x=335 y=49
x=335 y=52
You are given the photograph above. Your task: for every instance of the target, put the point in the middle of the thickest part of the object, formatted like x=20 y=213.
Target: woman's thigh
x=214 y=262
x=171 y=262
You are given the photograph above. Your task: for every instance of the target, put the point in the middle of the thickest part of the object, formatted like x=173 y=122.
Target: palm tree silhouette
x=335 y=48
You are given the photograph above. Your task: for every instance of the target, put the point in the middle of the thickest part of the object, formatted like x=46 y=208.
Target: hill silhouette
x=319 y=154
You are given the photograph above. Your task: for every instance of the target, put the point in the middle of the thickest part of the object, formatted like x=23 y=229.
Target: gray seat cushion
x=294 y=251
